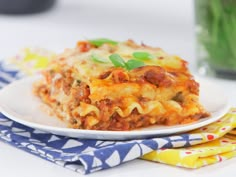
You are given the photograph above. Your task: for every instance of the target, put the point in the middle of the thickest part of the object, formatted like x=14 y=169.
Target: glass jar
x=216 y=37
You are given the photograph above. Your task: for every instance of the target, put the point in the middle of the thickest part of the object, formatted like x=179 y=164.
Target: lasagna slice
x=107 y=85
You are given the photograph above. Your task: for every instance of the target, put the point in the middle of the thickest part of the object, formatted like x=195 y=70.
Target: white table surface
x=168 y=24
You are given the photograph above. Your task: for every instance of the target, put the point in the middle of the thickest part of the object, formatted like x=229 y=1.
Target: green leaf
x=100 y=41
x=132 y=64
x=143 y=56
x=117 y=60
x=98 y=59
x=217 y=22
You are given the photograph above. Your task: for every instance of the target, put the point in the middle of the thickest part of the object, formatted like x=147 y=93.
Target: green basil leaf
x=101 y=41
x=117 y=60
x=98 y=59
x=143 y=56
x=132 y=64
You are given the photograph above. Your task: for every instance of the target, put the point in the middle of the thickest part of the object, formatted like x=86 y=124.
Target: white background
x=168 y=24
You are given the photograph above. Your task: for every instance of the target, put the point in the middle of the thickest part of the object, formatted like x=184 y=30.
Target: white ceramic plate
x=19 y=104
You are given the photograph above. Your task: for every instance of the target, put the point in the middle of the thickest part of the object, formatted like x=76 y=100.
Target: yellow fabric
x=218 y=144
x=32 y=60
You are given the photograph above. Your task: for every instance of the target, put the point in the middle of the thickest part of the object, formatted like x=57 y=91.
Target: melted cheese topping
x=87 y=68
x=93 y=95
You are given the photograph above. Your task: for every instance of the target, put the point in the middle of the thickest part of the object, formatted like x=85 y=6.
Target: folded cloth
x=219 y=144
x=86 y=156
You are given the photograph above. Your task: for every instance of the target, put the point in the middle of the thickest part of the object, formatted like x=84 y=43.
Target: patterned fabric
x=86 y=156
x=32 y=60
x=220 y=144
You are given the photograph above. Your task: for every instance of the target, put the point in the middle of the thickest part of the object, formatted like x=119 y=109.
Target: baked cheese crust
x=119 y=86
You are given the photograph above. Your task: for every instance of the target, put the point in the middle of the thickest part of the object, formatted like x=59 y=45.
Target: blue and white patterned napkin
x=80 y=155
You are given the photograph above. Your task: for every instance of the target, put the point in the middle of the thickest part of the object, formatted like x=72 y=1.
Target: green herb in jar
x=216 y=30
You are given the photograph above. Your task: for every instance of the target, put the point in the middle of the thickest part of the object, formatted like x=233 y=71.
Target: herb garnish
x=98 y=59
x=100 y=41
x=118 y=61
x=143 y=56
